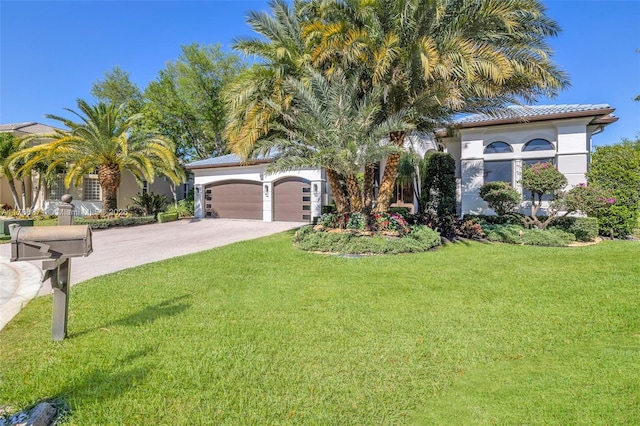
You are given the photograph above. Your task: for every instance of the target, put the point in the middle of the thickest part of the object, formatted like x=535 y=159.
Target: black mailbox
x=50 y=242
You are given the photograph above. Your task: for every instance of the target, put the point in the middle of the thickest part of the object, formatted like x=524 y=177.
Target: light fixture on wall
x=315 y=189
x=197 y=189
x=266 y=190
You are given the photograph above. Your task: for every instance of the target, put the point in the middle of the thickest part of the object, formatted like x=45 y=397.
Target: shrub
x=150 y=203
x=494 y=220
x=167 y=217
x=513 y=234
x=541 y=179
x=583 y=228
x=357 y=221
x=469 y=229
x=419 y=239
x=501 y=197
x=112 y=222
x=616 y=168
x=389 y=222
x=184 y=208
x=439 y=184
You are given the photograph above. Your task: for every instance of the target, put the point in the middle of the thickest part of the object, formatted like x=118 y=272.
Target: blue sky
x=51 y=52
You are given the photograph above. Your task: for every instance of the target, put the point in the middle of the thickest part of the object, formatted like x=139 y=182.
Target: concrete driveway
x=120 y=248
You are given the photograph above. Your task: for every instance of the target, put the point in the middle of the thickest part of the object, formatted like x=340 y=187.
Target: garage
x=292 y=200
x=233 y=200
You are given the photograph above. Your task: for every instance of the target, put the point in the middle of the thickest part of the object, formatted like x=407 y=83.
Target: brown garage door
x=292 y=200
x=233 y=200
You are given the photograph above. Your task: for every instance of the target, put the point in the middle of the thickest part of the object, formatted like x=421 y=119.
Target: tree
x=282 y=53
x=103 y=139
x=439 y=184
x=542 y=179
x=185 y=102
x=329 y=124
x=117 y=88
x=501 y=197
x=616 y=169
x=8 y=147
x=438 y=57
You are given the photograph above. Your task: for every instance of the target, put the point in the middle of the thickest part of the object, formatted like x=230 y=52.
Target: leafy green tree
x=185 y=102
x=103 y=139
x=616 y=169
x=438 y=57
x=439 y=184
x=117 y=88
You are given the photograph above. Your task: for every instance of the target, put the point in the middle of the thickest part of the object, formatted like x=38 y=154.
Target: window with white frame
x=498 y=147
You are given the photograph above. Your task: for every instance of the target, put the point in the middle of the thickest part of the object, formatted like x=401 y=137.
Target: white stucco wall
x=258 y=173
x=570 y=137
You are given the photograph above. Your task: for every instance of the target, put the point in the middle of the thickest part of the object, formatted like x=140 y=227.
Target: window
x=538 y=145
x=403 y=193
x=498 y=171
x=498 y=148
x=91 y=187
x=56 y=188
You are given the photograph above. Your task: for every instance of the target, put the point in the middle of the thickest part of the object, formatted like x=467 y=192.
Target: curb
x=21 y=283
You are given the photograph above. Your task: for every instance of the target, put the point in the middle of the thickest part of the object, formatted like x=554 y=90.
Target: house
x=87 y=196
x=485 y=147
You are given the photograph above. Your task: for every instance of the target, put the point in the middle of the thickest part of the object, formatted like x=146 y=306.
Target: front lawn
x=262 y=333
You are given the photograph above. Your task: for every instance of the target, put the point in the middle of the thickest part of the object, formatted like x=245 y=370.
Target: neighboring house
x=87 y=196
x=486 y=148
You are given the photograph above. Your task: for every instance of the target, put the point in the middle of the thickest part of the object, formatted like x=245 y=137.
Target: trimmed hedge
x=117 y=221
x=419 y=239
x=167 y=217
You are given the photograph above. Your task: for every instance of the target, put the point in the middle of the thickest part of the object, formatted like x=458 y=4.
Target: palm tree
x=8 y=147
x=103 y=139
x=438 y=57
x=330 y=124
x=282 y=53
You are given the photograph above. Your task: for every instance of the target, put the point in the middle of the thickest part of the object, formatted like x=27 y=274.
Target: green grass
x=261 y=333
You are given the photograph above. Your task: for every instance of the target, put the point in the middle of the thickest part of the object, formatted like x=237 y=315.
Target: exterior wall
x=258 y=173
x=570 y=138
x=5 y=192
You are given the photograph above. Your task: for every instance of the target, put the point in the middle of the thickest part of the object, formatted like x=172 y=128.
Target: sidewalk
x=122 y=248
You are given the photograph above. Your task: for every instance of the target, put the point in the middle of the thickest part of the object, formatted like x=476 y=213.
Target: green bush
x=420 y=239
x=494 y=220
x=501 y=197
x=184 y=208
x=513 y=234
x=116 y=221
x=150 y=203
x=583 y=228
x=167 y=217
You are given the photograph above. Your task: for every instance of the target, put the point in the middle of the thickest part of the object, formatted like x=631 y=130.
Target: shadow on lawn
x=167 y=308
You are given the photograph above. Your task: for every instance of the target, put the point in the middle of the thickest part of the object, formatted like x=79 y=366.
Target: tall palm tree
x=438 y=57
x=103 y=139
x=282 y=53
x=330 y=124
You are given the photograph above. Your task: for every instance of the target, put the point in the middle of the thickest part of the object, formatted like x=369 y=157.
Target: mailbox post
x=55 y=245
x=61 y=277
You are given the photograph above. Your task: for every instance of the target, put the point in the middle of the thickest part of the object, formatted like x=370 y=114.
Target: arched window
x=498 y=148
x=538 y=145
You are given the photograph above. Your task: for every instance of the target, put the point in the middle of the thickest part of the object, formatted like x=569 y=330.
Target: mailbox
x=50 y=242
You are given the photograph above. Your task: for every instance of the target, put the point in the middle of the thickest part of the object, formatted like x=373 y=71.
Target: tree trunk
x=336 y=189
x=355 y=194
x=390 y=173
x=23 y=194
x=14 y=194
x=109 y=179
x=367 y=188
x=34 y=203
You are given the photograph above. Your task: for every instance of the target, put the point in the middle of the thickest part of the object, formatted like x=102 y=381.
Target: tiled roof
x=517 y=113
x=227 y=160
x=29 y=127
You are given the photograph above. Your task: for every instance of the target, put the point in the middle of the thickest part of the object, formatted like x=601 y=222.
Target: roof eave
x=598 y=113
x=219 y=166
